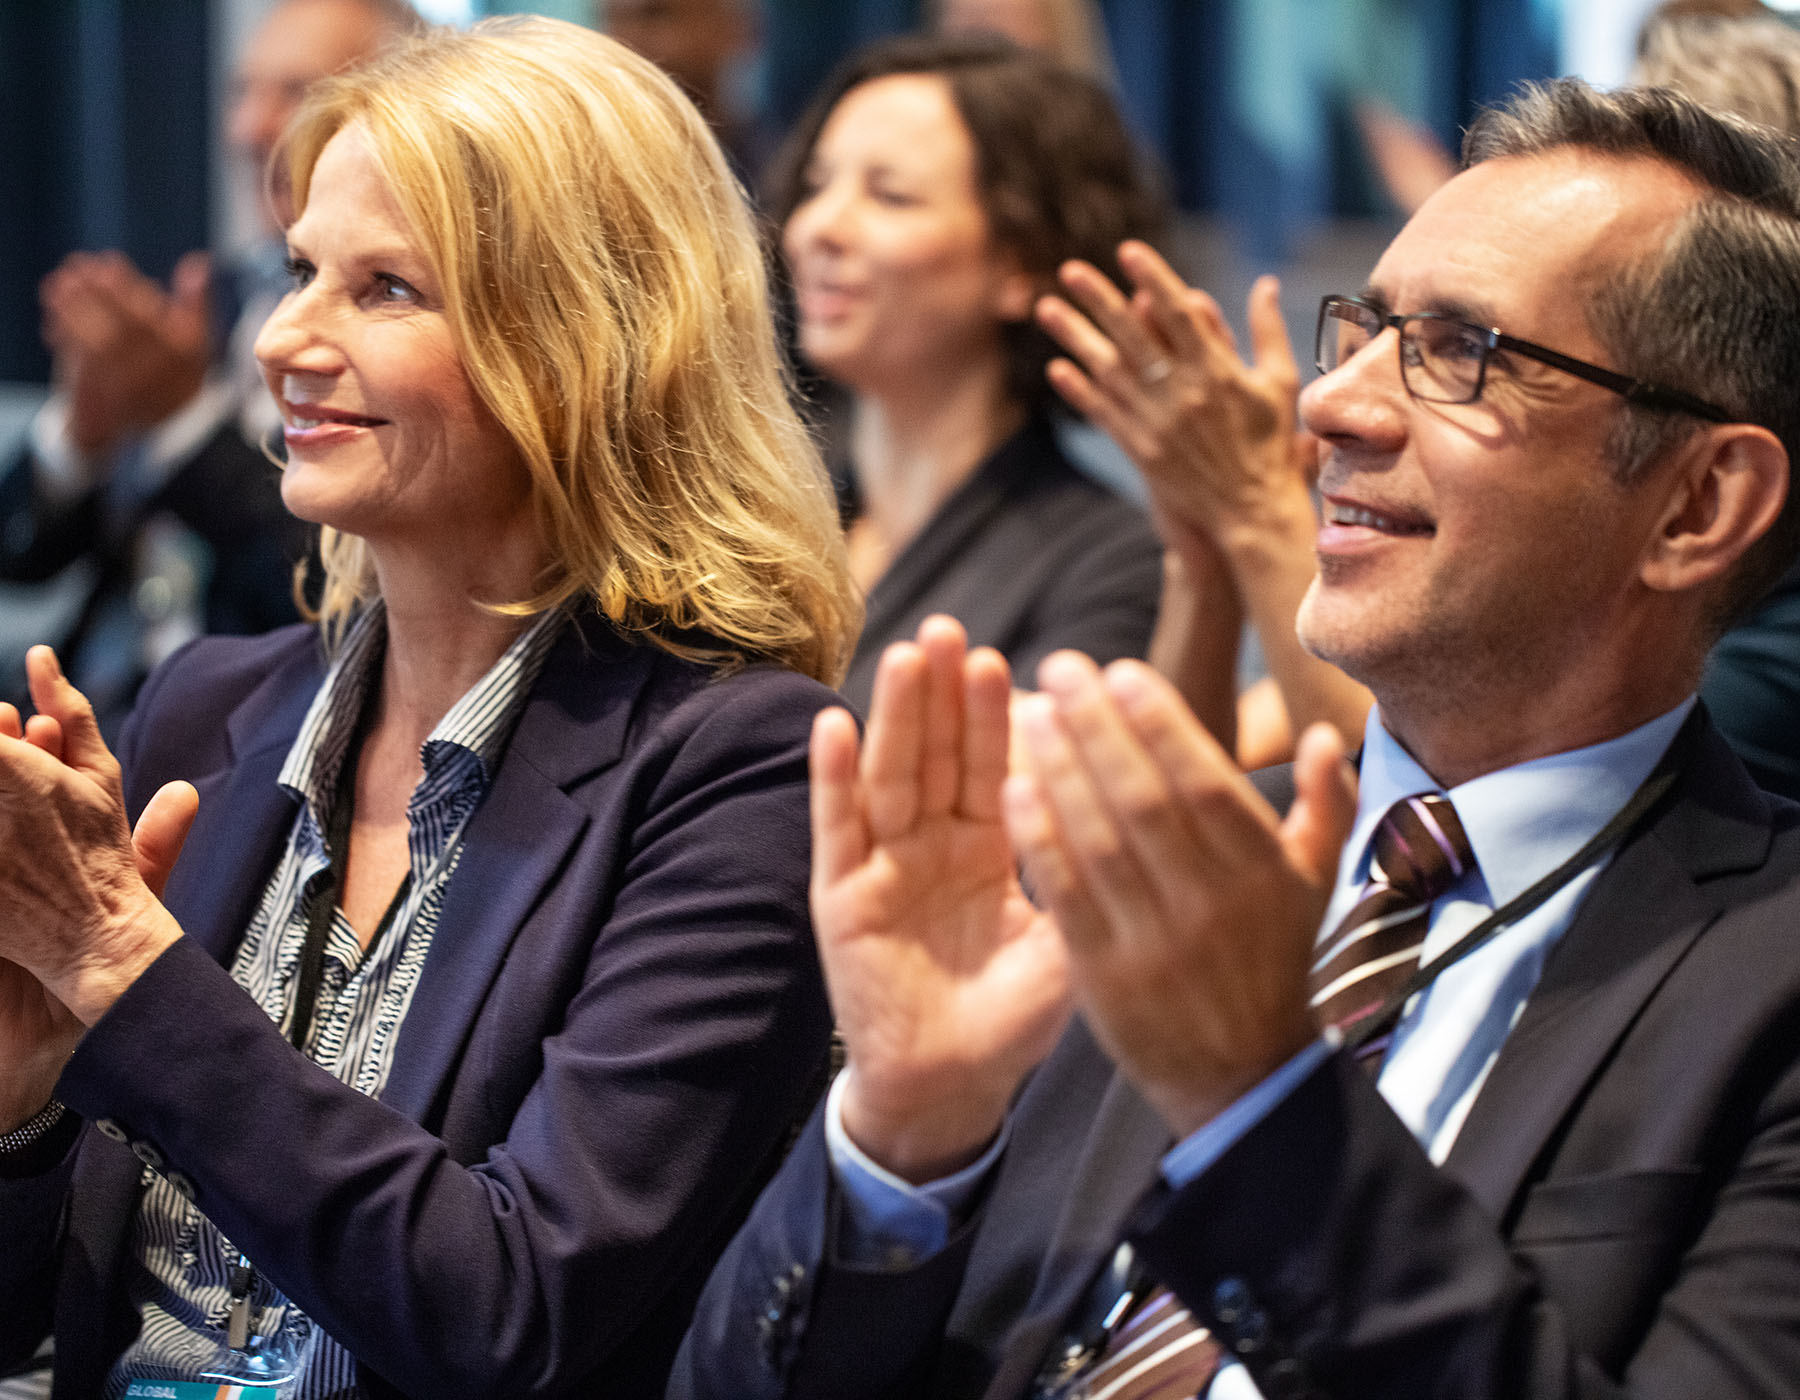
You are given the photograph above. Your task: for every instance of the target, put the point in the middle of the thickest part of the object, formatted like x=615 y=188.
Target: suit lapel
x=1643 y=914
x=516 y=842
x=244 y=815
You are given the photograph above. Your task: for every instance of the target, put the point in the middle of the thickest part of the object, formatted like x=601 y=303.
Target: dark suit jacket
x=1620 y=1213
x=619 y=1020
x=1029 y=555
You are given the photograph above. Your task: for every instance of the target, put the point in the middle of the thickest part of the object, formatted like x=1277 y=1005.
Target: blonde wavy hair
x=606 y=291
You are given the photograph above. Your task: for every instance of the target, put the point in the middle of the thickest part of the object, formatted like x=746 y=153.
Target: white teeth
x=304 y=423
x=1357 y=515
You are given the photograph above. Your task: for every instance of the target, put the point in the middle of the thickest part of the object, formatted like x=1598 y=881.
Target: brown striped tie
x=1420 y=851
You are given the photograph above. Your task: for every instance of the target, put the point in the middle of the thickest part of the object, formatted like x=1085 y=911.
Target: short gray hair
x=1715 y=311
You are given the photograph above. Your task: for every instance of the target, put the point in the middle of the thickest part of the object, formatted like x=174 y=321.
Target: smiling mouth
x=1387 y=523
x=326 y=418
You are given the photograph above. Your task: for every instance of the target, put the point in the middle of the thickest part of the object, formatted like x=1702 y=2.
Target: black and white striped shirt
x=181 y=1269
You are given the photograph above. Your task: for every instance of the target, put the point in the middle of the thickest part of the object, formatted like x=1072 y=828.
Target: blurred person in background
x=926 y=200
x=1072 y=32
x=484 y=993
x=706 y=46
x=148 y=464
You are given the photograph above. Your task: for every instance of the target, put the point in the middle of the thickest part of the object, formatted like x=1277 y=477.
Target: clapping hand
x=1188 y=906
x=948 y=986
x=127 y=353
x=80 y=895
x=1213 y=433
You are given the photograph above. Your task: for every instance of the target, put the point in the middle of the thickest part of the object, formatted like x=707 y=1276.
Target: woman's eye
x=299 y=271
x=391 y=288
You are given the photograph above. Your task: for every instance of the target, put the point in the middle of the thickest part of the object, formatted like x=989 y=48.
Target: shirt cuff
x=60 y=473
x=887 y=1222
x=1186 y=1160
x=172 y=443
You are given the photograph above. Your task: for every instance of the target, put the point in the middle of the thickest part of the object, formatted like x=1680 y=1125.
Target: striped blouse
x=181 y=1270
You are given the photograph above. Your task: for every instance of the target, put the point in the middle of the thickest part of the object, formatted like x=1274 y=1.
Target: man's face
x=1486 y=549
x=300 y=42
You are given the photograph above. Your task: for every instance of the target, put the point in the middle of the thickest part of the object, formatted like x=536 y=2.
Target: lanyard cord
x=310 y=973
x=1650 y=792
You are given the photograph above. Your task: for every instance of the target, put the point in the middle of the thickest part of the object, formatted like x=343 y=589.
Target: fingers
x=1186 y=316
x=1122 y=339
x=839 y=837
x=161 y=832
x=54 y=696
x=44 y=733
x=1319 y=822
x=987 y=701
x=944 y=645
x=891 y=747
x=1269 y=342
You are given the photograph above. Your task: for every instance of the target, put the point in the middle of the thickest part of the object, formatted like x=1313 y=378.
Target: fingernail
x=1127 y=683
x=1061 y=675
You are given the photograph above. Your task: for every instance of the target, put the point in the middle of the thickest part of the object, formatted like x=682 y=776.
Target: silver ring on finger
x=1154 y=373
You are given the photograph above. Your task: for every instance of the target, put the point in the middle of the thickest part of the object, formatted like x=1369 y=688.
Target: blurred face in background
x=1025 y=22
x=300 y=42
x=896 y=274
x=693 y=41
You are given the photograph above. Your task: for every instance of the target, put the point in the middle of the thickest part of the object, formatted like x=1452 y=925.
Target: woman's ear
x=1728 y=488
x=1015 y=290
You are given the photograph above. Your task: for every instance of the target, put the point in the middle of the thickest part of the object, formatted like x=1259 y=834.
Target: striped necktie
x=1420 y=852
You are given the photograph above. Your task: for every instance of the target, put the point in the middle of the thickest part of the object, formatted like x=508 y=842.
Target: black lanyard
x=1650 y=792
x=310 y=973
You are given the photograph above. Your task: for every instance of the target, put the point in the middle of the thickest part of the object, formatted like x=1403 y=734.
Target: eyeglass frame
x=1638 y=392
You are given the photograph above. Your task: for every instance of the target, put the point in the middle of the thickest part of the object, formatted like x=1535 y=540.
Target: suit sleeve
x=682 y=1051
x=783 y=1316
x=1331 y=1256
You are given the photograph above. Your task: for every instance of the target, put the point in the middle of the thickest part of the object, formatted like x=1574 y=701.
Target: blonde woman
x=482 y=994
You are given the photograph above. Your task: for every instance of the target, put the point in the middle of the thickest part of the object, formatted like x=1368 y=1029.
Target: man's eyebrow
x=1475 y=312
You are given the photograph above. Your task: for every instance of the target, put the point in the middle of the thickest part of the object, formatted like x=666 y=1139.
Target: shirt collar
x=478 y=725
x=1522 y=821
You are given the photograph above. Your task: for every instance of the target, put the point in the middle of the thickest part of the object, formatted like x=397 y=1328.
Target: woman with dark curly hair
x=927 y=200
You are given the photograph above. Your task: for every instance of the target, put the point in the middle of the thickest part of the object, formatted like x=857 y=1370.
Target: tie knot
x=1421 y=848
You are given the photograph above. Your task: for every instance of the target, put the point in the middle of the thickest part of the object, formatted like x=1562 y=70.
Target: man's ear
x=1728 y=487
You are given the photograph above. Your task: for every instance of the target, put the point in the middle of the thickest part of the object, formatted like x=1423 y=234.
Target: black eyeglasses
x=1445 y=360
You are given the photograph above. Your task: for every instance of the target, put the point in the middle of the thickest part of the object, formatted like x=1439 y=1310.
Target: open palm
x=947 y=984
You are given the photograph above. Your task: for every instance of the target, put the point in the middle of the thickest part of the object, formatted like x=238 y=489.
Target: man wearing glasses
x=1483 y=1080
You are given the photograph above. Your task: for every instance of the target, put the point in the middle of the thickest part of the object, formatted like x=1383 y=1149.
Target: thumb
x=1317 y=825
x=54 y=695
x=190 y=294
x=191 y=283
x=162 y=831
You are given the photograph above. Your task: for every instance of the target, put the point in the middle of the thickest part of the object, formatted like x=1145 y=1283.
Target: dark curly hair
x=1058 y=173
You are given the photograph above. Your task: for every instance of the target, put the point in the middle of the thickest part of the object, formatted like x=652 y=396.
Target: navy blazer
x=1620 y=1213
x=620 y=1018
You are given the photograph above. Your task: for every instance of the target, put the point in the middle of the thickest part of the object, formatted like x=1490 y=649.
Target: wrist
x=17 y=1136
x=98 y=978
x=919 y=1141
x=1188 y=1106
x=1276 y=538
